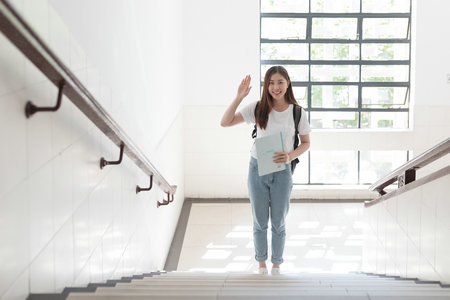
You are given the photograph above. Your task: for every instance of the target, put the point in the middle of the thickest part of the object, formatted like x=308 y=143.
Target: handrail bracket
x=139 y=189
x=31 y=109
x=104 y=162
x=169 y=197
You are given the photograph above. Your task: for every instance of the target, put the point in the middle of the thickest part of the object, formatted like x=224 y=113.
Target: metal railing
x=406 y=173
x=28 y=42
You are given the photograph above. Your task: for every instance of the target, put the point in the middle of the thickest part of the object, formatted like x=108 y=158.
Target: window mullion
x=360 y=36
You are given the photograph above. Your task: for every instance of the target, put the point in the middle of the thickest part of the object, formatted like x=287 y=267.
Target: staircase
x=203 y=286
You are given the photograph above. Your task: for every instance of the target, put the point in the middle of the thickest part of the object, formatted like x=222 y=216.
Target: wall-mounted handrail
x=28 y=42
x=407 y=172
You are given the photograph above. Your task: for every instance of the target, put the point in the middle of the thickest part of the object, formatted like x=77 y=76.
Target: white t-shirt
x=278 y=121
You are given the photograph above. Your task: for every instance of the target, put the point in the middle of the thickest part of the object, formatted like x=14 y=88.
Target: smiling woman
x=270 y=193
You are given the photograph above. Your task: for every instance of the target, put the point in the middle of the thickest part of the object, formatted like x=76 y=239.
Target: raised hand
x=244 y=88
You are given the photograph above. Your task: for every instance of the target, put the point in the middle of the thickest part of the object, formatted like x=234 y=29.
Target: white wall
x=221 y=42
x=408 y=235
x=63 y=221
x=432 y=64
x=222 y=45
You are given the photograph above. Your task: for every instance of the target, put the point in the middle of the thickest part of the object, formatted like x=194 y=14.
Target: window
x=349 y=60
x=348 y=166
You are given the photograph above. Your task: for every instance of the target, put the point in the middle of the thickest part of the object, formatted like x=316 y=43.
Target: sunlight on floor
x=319 y=238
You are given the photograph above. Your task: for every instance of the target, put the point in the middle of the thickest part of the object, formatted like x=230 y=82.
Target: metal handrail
x=28 y=42
x=407 y=172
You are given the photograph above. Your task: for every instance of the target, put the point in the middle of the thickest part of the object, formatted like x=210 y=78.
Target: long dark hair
x=266 y=103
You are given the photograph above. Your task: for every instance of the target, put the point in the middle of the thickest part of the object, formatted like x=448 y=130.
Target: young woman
x=270 y=194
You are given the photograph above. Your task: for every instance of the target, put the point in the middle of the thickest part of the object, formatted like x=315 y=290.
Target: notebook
x=265 y=149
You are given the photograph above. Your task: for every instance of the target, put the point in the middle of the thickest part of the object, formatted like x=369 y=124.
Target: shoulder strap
x=297 y=113
x=254 y=129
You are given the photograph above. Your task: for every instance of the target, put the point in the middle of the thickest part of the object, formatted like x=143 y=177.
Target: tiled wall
x=409 y=235
x=63 y=221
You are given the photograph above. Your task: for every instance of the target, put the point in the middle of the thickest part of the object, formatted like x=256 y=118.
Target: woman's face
x=278 y=86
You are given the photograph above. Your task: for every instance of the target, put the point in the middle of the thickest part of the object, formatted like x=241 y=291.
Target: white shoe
x=262 y=271
x=275 y=271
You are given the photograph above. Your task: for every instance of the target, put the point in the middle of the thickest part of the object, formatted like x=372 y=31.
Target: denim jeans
x=269 y=195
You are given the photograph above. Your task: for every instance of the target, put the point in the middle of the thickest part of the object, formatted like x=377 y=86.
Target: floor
x=320 y=237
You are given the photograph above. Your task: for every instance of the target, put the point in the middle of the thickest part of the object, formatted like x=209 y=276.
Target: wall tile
x=14 y=252
x=41 y=209
x=64 y=257
x=13 y=155
x=100 y=216
x=428 y=235
x=442 y=265
x=77 y=55
x=62 y=127
x=81 y=238
x=36 y=14
x=20 y=288
x=42 y=271
x=39 y=127
x=414 y=220
x=109 y=254
x=62 y=188
x=96 y=265
x=12 y=64
x=82 y=279
x=442 y=203
x=412 y=268
x=59 y=38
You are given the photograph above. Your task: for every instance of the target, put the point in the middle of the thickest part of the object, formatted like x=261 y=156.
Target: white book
x=265 y=150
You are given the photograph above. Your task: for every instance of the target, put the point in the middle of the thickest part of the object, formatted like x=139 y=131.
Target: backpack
x=297 y=114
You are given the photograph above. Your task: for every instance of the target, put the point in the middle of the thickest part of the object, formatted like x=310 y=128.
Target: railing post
x=407 y=177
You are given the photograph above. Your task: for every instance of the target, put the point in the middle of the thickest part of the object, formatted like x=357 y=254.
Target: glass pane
x=384 y=97
x=334 y=73
x=335 y=6
x=376 y=164
x=284 y=51
x=334 y=51
x=393 y=6
x=283 y=28
x=385 y=51
x=386 y=28
x=296 y=72
x=334 y=28
x=334 y=96
x=301 y=171
x=376 y=120
x=301 y=95
x=339 y=167
x=294 y=6
x=385 y=73
x=334 y=119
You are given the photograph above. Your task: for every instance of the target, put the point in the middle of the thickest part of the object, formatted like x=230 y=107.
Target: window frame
x=360 y=62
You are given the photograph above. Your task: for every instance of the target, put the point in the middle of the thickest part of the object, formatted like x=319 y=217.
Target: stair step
x=264 y=297
x=244 y=286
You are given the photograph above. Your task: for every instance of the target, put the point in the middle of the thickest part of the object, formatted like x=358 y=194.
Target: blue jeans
x=269 y=194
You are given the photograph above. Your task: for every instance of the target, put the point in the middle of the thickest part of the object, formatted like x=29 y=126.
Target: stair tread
x=248 y=286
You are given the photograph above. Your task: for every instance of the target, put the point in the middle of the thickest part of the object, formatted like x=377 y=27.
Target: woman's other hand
x=281 y=158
